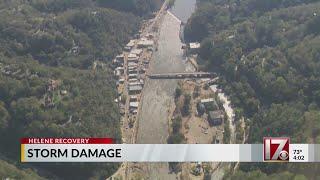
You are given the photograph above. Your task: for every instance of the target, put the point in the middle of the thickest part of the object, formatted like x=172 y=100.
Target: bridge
x=182 y=75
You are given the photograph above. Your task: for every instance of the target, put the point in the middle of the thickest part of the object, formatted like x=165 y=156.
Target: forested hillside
x=48 y=87
x=267 y=53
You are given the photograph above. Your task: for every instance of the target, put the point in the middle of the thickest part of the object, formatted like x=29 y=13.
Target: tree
x=178 y=92
x=186 y=105
x=4 y=117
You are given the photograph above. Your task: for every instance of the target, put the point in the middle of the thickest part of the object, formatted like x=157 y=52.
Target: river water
x=158 y=95
x=183 y=9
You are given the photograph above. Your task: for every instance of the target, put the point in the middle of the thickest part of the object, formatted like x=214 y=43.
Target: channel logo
x=276 y=149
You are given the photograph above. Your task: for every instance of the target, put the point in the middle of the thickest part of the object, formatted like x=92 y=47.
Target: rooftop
x=131 y=43
x=207 y=100
x=134 y=104
x=134 y=83
x=132 y=55
x=216 y=114
x=133 y=80
x=194 y=45
x=120 y=56
x=133 y=97
x=145 y=42
x=132 y=64
x=136 y=51
x=135 y=88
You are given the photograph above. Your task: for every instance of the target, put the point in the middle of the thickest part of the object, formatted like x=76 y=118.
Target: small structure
x=133 y=71
x=135 y=89
x=75 y=49
x=194 y=45
x=121 y=80
x=145 y=43
x=120 y=57
x=119 y=60
x=133 y=76
x=117 y=73
x=135 y=83
x=120 y=69
x=133 y=105
x=135 y=111
x=132 y=65
x=133 y=80
x=137 y=52
x=210 y=104
x=205 y=101
x=231 y=37
x=133 y=98
x=130 y=45
x=53 y=84
x=149 y=36
x=215 y=118
x=133 y=58
x=193 y=48
x=63 y=92
x=142 y=70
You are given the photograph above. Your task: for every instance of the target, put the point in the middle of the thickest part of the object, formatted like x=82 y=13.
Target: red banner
x=66 y=141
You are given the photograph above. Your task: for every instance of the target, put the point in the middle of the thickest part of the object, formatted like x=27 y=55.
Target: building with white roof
x=134 y=105
x=194 y=45
x=144 y=43
x=137 y=52
x=130 y=45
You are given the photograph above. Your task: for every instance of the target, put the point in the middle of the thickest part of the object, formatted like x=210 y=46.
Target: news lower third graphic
x=104 y=150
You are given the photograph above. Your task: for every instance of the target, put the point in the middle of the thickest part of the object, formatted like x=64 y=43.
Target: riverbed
x=158 y=95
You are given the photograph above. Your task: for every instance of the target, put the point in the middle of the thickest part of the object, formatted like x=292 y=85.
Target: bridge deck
x=182 y=75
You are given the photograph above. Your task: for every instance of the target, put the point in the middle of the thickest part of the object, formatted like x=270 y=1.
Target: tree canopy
x=267 y=54
x=48 y=87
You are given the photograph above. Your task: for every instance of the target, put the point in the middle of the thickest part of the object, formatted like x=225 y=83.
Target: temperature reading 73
x=297 y=151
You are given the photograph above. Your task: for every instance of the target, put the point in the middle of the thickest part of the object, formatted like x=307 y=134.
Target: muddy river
x=158 y=95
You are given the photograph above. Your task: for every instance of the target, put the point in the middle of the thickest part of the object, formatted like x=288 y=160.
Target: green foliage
x=139 y=7
x=176 y=137
x=9 y=171
x=178 y=92
x=74 y=37
x=211 y=106
x=267 y=54
x=171 y=3
x=4 y=116
x=176 y=124
x=226 y=129
x=185 y=111
x=262 y=176
x=45 y=40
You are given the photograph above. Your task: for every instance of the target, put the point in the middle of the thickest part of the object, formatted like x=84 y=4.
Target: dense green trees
x=74 y=37
x=11 y=172
x=47 y=85
x=176 y=137
x=259 y=175
x=267 y=53
x=139 y=7
x=4 y=116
